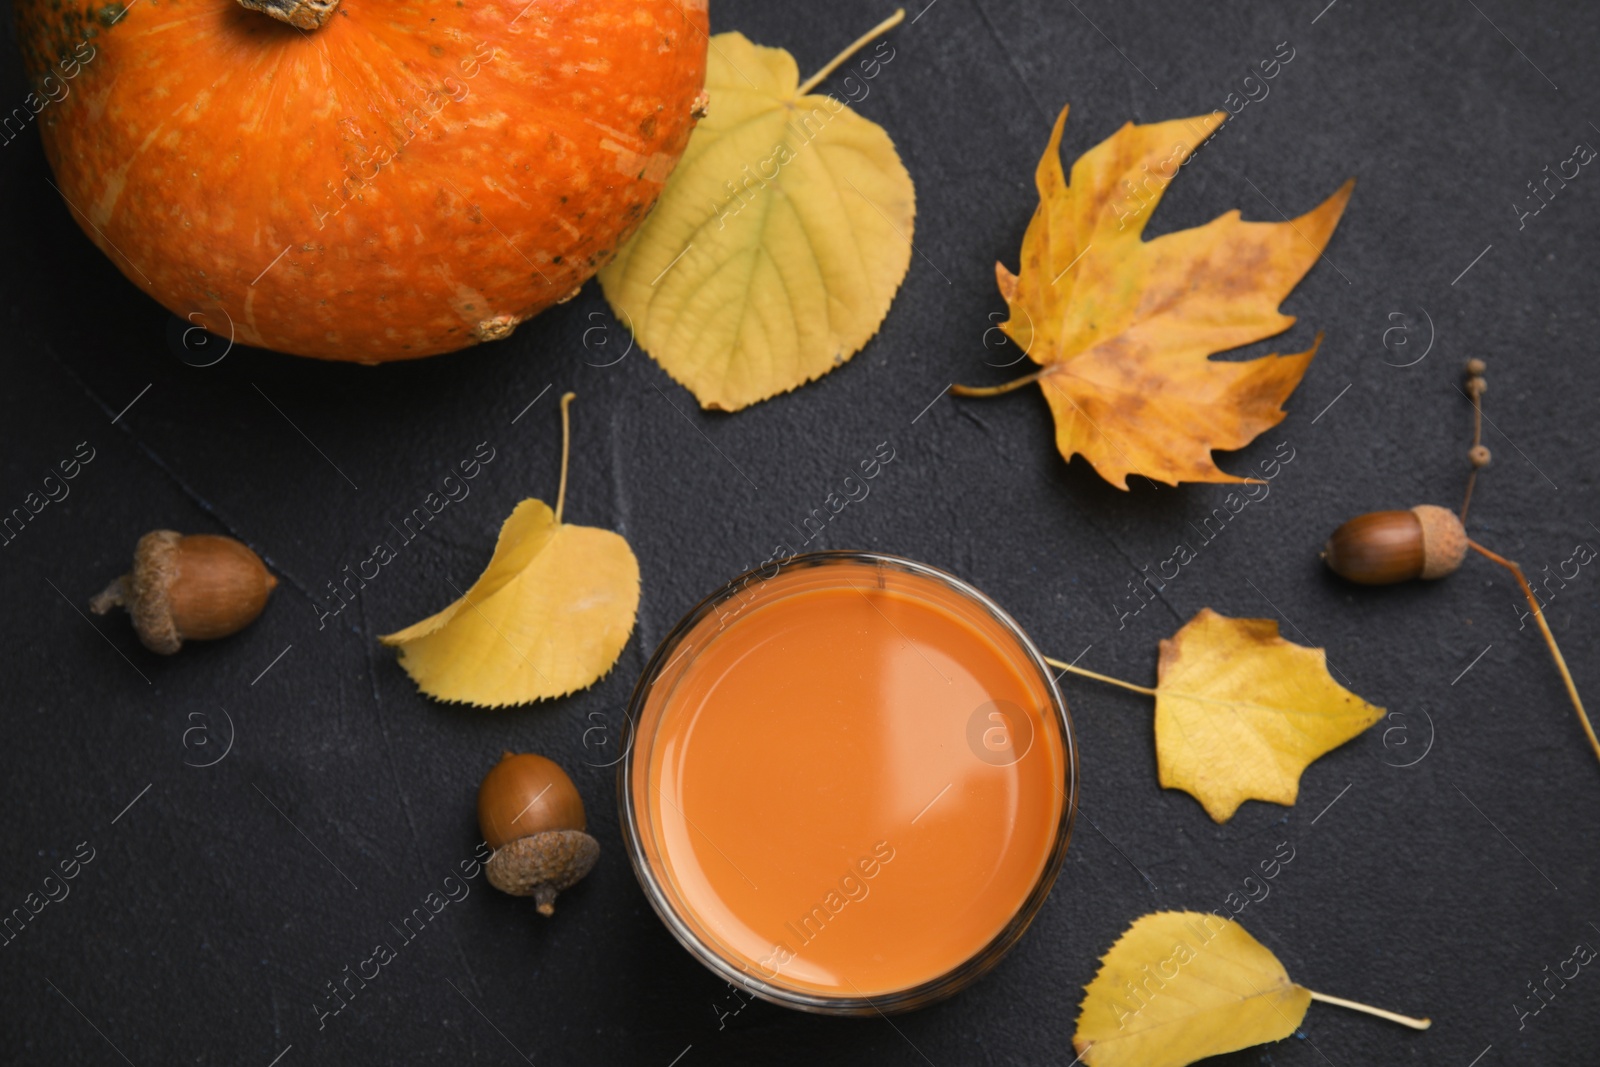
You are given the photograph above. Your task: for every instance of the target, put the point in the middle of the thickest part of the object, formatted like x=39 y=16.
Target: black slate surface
x=1442 y=860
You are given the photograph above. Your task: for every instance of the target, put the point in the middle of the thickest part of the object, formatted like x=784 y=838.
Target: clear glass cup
x=739 y=599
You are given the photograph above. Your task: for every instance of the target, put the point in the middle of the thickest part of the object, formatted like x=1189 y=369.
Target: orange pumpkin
x=402 y=178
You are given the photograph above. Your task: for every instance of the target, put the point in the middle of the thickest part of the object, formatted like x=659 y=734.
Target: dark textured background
x=220 y=903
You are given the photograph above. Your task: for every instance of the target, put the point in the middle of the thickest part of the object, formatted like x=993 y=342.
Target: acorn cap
x=155 y=565
x=542 y=865
x=1444 y=540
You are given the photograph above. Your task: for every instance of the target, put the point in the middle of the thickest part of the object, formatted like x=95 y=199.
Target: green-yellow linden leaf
x=1179 y=986
x=1241 y=713
x=778 y=243
x=549 y=616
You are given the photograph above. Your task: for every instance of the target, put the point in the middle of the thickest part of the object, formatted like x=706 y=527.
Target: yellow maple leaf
x=549 y=616
x=779 y=241
x=1124 y=328
x=1241 y=713
x=1179 y=986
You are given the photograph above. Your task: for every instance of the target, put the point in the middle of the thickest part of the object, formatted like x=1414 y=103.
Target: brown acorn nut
x=1383 y=547
x=531 y=815
x=201 y=586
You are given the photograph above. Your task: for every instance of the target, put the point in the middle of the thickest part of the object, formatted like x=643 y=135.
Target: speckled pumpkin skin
x=413 y=177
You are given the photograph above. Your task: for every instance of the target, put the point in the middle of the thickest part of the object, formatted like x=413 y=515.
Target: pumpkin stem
x=301 y=14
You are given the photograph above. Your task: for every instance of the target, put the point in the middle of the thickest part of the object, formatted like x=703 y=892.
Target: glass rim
x=924 y=993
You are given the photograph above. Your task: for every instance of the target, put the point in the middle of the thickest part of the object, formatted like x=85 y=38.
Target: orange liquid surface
x=853 y=786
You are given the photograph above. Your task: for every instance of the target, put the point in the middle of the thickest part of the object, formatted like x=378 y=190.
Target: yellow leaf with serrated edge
x=549 y=616
x=1179 y=986
x=778 y=243
x=1124 y=328
x=1241 y=713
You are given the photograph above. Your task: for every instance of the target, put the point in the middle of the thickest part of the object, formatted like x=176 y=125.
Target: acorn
x=197 y=587
x=1383 y=547
x=531 y=815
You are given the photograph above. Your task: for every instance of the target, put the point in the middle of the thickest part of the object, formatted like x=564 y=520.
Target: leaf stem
x=1100 y=677
x=566 y=451
x=1549 y=639
x=1394 y=1017
x=860 y=42
x=1477 y=439
x=996 y=390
